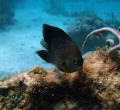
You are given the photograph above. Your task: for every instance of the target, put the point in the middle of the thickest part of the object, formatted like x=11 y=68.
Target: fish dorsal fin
x=50 y=32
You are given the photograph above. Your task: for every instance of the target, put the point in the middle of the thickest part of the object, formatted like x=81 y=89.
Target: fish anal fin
x=43 y=54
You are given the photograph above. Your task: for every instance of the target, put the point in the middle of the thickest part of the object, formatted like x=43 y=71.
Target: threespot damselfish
x=61 y=50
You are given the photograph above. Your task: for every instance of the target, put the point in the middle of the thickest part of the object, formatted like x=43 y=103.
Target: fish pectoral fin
x=43 y=43
x=43 y=54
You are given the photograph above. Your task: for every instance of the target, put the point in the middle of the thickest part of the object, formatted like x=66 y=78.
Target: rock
x=97 y=86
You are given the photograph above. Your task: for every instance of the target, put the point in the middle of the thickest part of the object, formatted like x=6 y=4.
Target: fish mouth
x=79 y=68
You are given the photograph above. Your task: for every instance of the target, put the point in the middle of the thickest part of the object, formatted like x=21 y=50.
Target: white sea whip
x=105 y=29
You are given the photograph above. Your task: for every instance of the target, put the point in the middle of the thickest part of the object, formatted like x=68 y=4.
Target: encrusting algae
x=96 y=87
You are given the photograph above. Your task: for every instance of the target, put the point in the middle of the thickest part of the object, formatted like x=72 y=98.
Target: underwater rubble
x=7 y=12
x=96 y=87
x=84 y=25
x=61 y=8
x=6 y=16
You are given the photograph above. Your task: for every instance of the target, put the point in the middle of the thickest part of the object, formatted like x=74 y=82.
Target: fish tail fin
x=43 y=43
x=43 y=54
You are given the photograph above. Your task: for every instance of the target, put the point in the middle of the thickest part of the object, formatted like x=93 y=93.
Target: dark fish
x=61 y=50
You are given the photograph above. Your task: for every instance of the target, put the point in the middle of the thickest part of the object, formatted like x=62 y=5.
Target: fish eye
x=75 y=61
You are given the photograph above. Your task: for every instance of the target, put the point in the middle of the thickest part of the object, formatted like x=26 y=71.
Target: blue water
x=20 y=41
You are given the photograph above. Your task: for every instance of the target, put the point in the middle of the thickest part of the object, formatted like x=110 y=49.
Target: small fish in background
x=61 y=50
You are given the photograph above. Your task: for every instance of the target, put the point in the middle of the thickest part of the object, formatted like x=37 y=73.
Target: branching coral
x=110 y=42
x=112 y=19
x=104 y=29
x=84 y=25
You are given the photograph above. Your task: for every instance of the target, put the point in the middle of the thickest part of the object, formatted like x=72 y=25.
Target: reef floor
x=96 y=87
